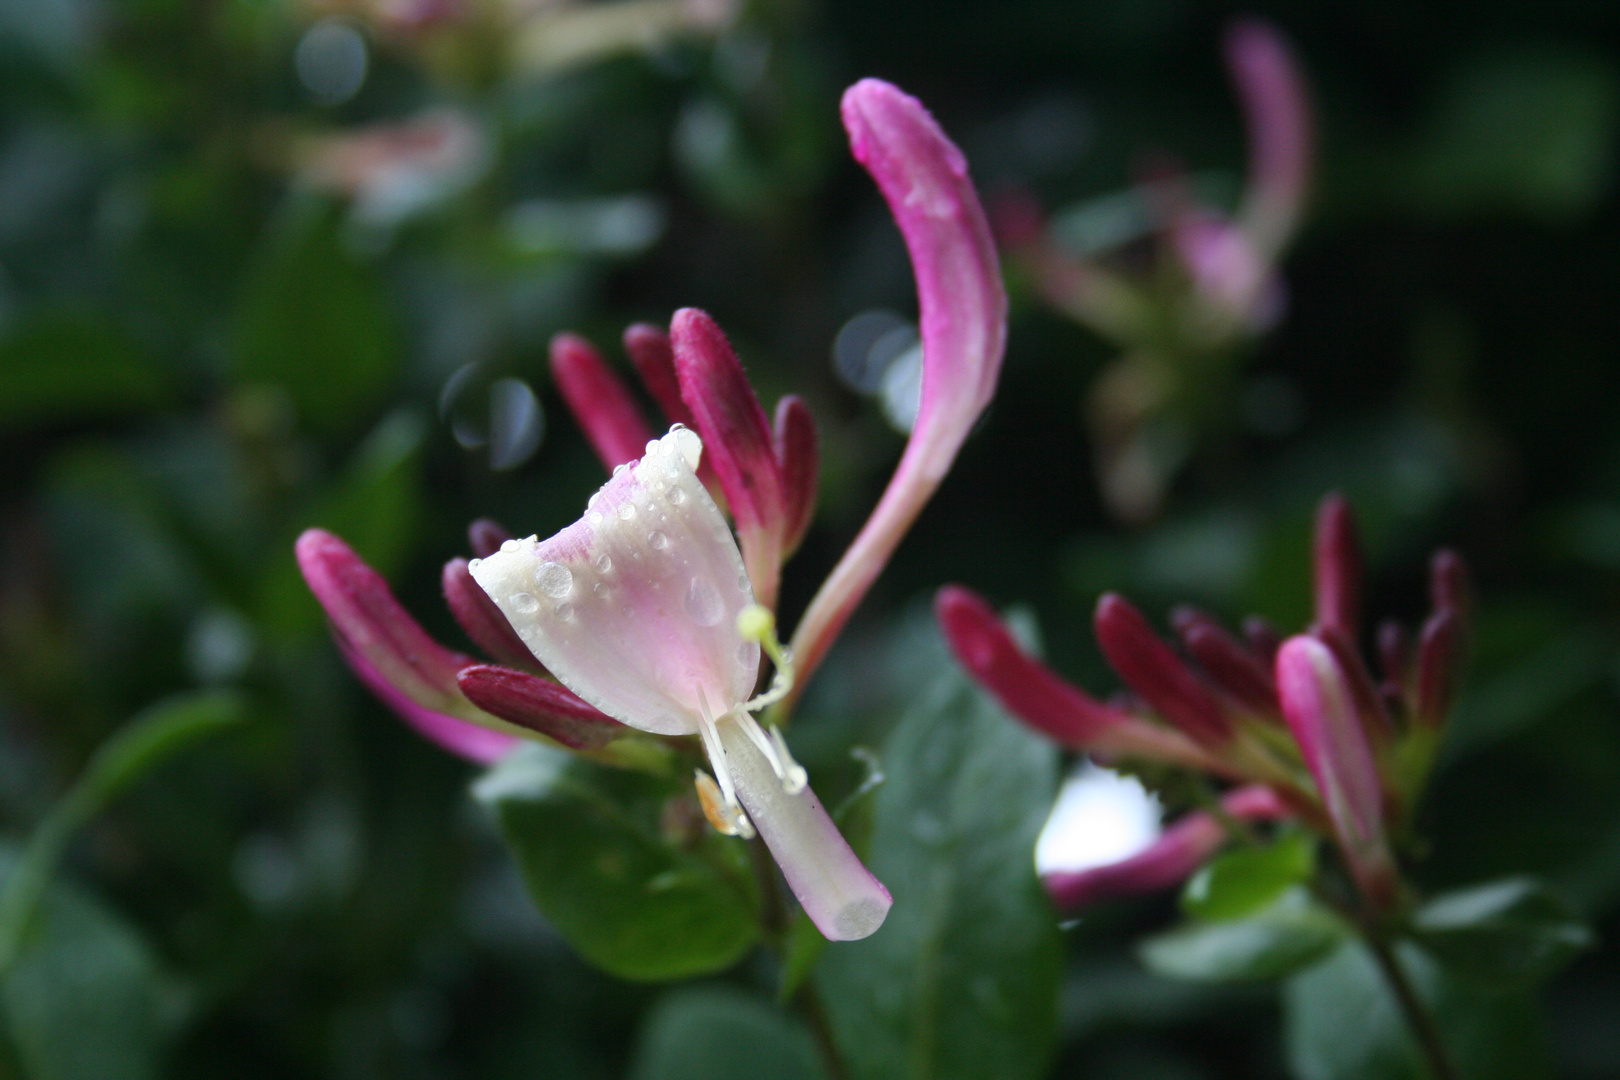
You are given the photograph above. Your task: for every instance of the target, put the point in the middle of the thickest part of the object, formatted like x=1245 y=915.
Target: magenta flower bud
x=1170 y=860
x=1364 y=693
x=1032 y=692
x=1394 y=653
x=963 y=324
x=598 y=400
x=1277 y=109
x=654 y=359
x=392 y=655
x=738 y=437
x=1229 y=665
x=1262 y=637
x=794 y=438
x=539 y=705
x=1439 y=656
x=1338 y=567
x=481 y=619
x=1448 y=583
x=485 y=537
x=1320 y=708
x=1156 y=674
x=638 y=608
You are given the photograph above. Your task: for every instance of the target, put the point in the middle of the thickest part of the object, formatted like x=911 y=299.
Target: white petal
x=634 y=607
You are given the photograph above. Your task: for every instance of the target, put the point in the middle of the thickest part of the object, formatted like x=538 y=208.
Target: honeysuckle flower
x=1212 y=285
x=636 y=608
x=1302 y=720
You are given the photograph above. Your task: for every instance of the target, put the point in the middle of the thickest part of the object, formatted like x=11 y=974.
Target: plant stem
x=1417 y=1015
x=809 y=1003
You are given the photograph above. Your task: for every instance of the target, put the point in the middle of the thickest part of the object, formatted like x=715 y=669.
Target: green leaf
x=315 y=321
x=153 y=735
x=636 y=904
x=1241 y=882
x=1291 y=933
x=961 y=981
x=64 y=363
x=1513 y=929
x=800 y=954
x=719 y=1033
x=86 y=1000
x=1342 y=1022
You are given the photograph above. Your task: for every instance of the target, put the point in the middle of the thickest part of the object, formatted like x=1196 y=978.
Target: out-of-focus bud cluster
x=1303 y=728
x=1184 y=291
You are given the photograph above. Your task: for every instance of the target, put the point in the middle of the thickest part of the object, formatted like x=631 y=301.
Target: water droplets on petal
x=554 y=579
x=703 y=603
x=658 y=541
x=525 y=603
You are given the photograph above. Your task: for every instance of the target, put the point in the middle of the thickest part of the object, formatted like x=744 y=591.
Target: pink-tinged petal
x=1032 y=692
x=963 y=321
x=373 y=626
x=539 y=705
x=839 y=894
x=1278 y=112
x=634 y=607
x=794 y=437
x=1321 y=711
x=1337 y=566
x=598 y=400
x=1226 y=269
x=1170 y=860
x=1364 y=693
x=1151 y=669
x=486 y=536
x=654 y=359
x=737 y=437
x=480 y=745
x=1229 y=665
x=481 y=619
x=1440 y=651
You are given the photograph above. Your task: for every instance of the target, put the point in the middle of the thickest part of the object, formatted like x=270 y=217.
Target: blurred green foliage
x=203 y=350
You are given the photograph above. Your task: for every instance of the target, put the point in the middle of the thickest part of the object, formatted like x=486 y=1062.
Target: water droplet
x=652 y=446
x=626 y=511
x=746 y=654
x=473 y=564
x=594 y=517
x=525 y=603
x=743 y=583
x=509 y=545
x=590 y=503
x=554 y=580
x=703 y=603
x=604 y=563
x=601 y=590
x=677 y=496
x=617 y=469
x=658 y=541
x=565 y=610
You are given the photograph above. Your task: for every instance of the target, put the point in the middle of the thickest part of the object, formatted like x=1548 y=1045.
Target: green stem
x=119 y=761
x=1418 y=1017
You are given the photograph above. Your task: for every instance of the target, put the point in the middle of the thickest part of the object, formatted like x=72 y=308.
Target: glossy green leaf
x=1291 y=933
x=1243 y=881
x=66 y=363
x=1342 y=1022
x=719 y=1033
x=314 y=320
x=87 y=999
x=634 y=902
x=1514 y=929
x=961 y=981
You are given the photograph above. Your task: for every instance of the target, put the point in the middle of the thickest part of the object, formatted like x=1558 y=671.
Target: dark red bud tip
x=799 y=456
x=736 y=433
x=539 y=705
x=654 y=360
x=482 y=619
x=1262 y=637
x=485 y=537
x=1231 y=667
x=1338 y=566
x=598 y=400
x=1394 y=652
x=1440 y=656
x=1025 y=687
x=1448 y=583
x=1157 y=674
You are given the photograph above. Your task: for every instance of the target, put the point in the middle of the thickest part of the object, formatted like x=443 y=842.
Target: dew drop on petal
x=565 y=610
x=509 y=545
x=604 y=563
x=554 y=580
x=595 y=517
x=602 y=591
x=743 y=582
x=703 y=603
x=652 y=446
x=525 y=603
x=626 y=511
x=677 y=496
x=658 y=540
